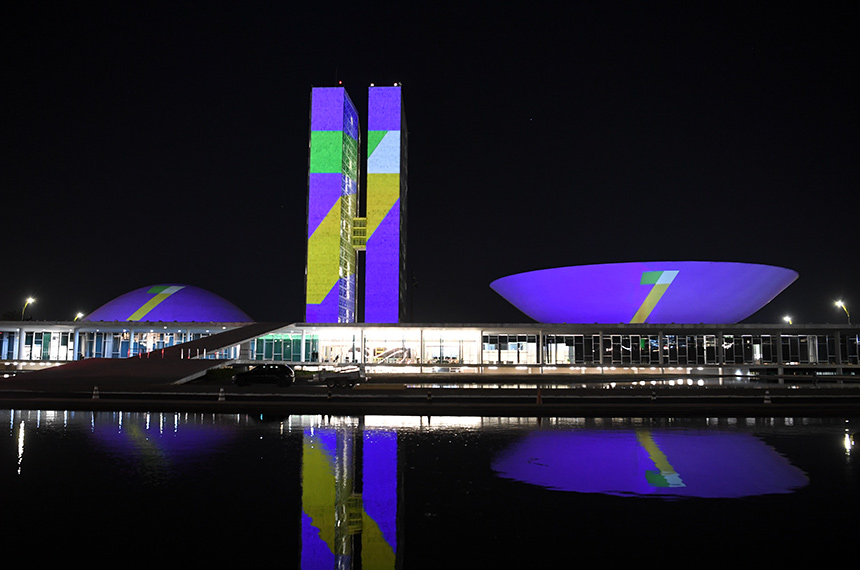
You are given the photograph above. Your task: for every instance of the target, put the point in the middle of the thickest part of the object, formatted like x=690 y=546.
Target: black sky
x=148 y=142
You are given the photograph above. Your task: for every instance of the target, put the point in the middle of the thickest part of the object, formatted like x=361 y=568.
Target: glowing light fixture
x=844 y=308
x=787 y=319
x=29 y=300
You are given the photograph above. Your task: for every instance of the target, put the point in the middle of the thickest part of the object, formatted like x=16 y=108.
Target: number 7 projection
x=660 y=281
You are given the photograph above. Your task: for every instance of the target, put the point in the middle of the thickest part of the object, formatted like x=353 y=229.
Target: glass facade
x=510 y=348
x=294 y=347
x=127 y=343
x=472 y=347
x=330 y=275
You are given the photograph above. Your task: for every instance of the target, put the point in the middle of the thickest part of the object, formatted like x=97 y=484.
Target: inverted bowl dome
x=170 y=302
x=654 y=462
x=645 y=292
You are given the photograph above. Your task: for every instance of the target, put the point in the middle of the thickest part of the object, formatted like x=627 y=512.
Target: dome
x=645 y=292
x=654 y=462
x=170 y=302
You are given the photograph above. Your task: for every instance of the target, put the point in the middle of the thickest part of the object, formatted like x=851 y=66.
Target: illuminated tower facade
x=330 y=274
x=385 y=257
x=335 y=230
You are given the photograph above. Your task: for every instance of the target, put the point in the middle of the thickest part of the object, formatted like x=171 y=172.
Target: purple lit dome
x=170 y=302
x=645 y=292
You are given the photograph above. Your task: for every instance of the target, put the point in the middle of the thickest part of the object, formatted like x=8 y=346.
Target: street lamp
x=787 y=319
x=78 y=316
x=844 y=308
x=29 y=300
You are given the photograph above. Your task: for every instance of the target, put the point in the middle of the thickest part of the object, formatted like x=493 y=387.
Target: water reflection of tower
x=349 y=497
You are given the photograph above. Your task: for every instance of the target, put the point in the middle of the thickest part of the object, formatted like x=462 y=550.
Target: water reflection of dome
x=645 y=292
x=650 y=463
x=170 y=302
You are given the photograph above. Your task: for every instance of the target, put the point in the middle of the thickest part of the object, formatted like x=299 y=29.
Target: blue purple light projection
x=385 y=260
x=645 y=292
x=157 y=442
x=170 y=302
x=332 y=509
x=663 y=463
x=330 y=280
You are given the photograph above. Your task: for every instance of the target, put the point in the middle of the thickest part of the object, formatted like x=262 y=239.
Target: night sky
x=152 y=142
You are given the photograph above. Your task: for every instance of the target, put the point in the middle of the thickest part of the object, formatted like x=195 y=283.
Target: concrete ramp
x=114 y=373
x=173 y=365
x=214 y=343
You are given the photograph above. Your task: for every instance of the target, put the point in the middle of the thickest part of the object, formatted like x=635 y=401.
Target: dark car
x=279 y=374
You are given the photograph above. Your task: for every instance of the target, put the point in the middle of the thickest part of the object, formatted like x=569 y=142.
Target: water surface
x=426 y=492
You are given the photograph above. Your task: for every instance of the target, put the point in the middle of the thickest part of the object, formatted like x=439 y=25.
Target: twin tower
x=356 y=246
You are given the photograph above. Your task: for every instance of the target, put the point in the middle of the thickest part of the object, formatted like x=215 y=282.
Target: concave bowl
x=645 y=292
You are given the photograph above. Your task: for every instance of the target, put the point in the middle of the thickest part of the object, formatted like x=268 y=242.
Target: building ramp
x=211 y=344
x=169 y=366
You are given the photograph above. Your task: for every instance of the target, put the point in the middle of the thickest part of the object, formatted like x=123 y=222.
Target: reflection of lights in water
x=650 y=463
x=20 y=445
x=393 y=421
x=848 y=442
x=336 y=516
x=424 y=422
x=666 y=476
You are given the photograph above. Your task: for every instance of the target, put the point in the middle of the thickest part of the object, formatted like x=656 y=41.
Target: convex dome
x=170 y=302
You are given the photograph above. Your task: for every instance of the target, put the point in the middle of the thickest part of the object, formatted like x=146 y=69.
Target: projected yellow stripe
x=153 y=303
x=318 y=490
x=655 y=453
x=320 y=503
x=660 y=281
x=660 y=460
x=383 y=191
x=650 y=302
x=324 y=256
x=375 y=551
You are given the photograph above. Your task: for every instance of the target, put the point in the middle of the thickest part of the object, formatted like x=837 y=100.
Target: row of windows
x=551 y=349
x=60 y=346
x=699 y=349
x=584 y=350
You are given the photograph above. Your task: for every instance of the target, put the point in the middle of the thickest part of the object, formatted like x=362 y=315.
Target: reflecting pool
x=425 y=492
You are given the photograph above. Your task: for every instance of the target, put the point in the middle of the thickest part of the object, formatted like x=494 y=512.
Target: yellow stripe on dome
x=154 y=302
x=660 y=281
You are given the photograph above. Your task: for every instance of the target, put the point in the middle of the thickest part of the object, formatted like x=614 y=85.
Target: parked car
x=345 y=377
x=279 y=374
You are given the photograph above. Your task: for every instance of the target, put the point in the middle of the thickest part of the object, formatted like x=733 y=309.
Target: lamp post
x=844 y=308
x=29 y=300
x=78 y=316
x=787 y=319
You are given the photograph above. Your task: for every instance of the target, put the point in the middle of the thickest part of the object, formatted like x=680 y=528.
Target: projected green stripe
x=328 y=149
x=373 y=140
